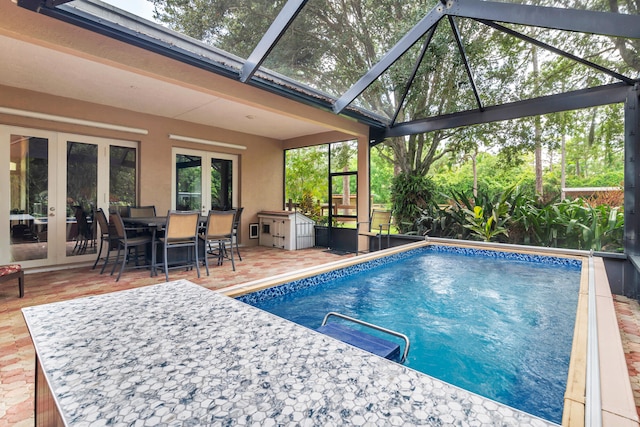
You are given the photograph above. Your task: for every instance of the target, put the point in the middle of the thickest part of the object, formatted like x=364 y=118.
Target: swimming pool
x=511 y=343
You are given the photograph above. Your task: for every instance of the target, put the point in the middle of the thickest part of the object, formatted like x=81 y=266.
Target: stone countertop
x=177 y=354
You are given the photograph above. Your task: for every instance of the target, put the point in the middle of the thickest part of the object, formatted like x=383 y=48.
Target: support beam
x=268 y=41
x=601 y=95
x=405 y=43
x=584 y=21
x=465 y=59
x=34 y=5
x=631 y=240
x=632 y=172
x=54 y=3
x=416 y=67
x=557 y=51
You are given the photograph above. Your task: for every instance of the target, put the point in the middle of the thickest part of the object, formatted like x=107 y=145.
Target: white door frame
x=57 y=189
x=206 y=175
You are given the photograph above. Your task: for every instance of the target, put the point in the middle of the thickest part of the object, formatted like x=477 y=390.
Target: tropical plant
x=486 y=227
x=516 y=216
x=489 y=216
x=410 y=194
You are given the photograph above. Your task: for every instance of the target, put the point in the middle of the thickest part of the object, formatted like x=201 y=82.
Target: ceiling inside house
x=37 y=68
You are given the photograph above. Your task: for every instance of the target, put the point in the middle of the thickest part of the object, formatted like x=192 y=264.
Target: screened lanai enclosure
x=406 y=69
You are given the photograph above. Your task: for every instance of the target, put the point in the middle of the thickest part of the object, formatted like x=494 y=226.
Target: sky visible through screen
x=141 y=8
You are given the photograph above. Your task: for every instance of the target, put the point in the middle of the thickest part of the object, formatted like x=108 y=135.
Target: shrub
x=410 y=194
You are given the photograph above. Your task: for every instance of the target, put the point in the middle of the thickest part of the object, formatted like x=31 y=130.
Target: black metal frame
x=584 y=98
x=275 y=32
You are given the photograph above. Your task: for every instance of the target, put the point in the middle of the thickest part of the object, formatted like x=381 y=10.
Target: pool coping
x=617 y=402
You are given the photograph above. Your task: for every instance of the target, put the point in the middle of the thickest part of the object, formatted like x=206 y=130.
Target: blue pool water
x=499 y=327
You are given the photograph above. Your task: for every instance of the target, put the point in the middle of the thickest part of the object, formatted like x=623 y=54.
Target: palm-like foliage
x=515 y=217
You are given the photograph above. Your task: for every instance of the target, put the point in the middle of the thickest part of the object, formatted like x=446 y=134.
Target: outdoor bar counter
x=177 y=354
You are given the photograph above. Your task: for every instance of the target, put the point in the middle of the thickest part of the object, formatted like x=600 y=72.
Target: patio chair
x=142 y=211
x=219 y=231
x=378 y=225
x=125 y=243
x=236 y=225
x=108 y=238
x=181 y=232
x=13 y=271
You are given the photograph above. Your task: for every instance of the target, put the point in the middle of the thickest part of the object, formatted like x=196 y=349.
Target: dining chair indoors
x=125 y=243
x=181 y=232
x=218 y=232
x=108 y=238
x=84 y=232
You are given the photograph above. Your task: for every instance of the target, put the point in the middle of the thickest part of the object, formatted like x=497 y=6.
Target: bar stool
x=13 y=271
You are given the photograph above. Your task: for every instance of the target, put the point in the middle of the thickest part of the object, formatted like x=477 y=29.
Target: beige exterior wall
x=261 y=164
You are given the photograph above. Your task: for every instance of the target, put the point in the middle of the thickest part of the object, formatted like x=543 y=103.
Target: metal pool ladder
x=379 y=346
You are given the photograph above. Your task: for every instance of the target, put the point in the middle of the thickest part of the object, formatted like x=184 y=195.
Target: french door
x=55 y=181
x=204 y=180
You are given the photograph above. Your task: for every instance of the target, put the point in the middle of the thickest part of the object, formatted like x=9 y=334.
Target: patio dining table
x=154 y=224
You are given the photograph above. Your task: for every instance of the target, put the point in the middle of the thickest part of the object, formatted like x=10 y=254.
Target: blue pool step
x=363 y=340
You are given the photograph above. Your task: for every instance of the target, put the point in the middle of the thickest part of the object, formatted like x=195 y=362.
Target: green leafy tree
x=332 y=44
x=410 y=195
x=306 y=174
x=381 y=176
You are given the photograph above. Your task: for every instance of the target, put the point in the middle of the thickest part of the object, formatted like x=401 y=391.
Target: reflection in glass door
x=188 y=183
x=123 y=176
x=221 y=184
x=28 y=201
x=81 y=200
x=204 y=181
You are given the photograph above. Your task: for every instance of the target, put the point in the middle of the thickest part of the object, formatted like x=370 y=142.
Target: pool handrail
x=407 y=344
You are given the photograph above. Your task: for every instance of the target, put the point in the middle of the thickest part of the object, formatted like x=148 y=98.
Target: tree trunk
x=538 y=131
x=538 y=160
x=474 y=159
x=563 y=165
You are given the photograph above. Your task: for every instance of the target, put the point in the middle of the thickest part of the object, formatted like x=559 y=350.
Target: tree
x=629 y=49
x=307 y=173
x=332 y=44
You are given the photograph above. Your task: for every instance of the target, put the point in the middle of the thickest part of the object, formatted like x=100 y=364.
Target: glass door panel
x=204 y=180
x=53 y=182
x=29 y=190
x=188 y=183
x=221 y=184
x=122 y=176
x=343 y=166
x=343 y=195
x=81 y=200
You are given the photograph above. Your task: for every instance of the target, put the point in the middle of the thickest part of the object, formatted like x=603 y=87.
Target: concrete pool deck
x=16 y=351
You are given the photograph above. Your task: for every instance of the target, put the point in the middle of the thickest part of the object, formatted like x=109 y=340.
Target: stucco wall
x=261 y=163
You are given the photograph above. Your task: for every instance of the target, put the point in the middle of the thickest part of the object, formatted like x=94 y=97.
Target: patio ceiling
x=33 y=67
x=502 y=17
